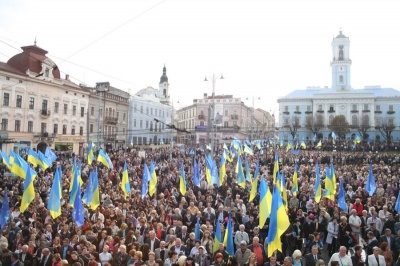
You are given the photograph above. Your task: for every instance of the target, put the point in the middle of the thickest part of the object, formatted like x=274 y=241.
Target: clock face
x=342 y=107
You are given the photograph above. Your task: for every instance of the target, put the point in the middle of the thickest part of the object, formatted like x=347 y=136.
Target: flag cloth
x=333 y=177
x=279 y=222
x=319 y=144
x=145 y=180
x=197 y=229
x=90 y=158
x=303 y=145
x=371 y=185
x=283 y=190
x=19 y=165
x=276 y=168
x=153 y=182
x=196 y=173
x=341 y=197
x=182 y=181
x=295 y=185
x=44 y=162
x=33 y=158
x=77 y=212
x=317 y=185
x=247 y=169
x=248 y=150
x=329 y=184
x=222 y=167
x=104 y=159
x=225 y=147
x=288 y=147
x=228 y=238
x=54 y=203
x=29 y=190
x=88 y=194
x=247 y=142
x=357 y=139
x=50 y=155
x=214 y=174
x=253 y=190
x=333 y=137
x=217 y=238
x=396 y=207
x=315 y=137
x=6 y=160
x=5 y=211
x=96 y=193
x=240 y=175
x=125 y=186
x=265 y=202
x=208 y=168
x=73 y=188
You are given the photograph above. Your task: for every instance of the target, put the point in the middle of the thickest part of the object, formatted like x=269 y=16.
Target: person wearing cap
x=242 y=254
x=241 y=236
x=202 y=259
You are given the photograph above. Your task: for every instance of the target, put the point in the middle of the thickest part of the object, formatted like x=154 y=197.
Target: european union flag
x=5 y=211
x=50 y=155
x=371 y=184
x=196 y=174
x=197 y=229
x=77 y=213
x=341 y=197
x=145 y=180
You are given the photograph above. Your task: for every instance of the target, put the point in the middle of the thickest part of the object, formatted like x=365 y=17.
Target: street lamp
x=211 y=121
x=101 y=88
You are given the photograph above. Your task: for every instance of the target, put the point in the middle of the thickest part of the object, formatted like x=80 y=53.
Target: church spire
x=164 y=77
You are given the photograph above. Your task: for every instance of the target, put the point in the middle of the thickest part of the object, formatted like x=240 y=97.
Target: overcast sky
x=264 y=48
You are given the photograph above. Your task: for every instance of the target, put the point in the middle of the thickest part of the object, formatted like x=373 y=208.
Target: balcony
x=378 y=112
x=202 y=117
x=44 y=136
x=234 y=117
x=390 y=112
x=308 y=112
x=286 y=113
x=111 y=137
x=111 y=120
x=354 y=111
x=366 y=111
x=45 y=113
x=297 y=112
x=320 y=111
x=331 y=111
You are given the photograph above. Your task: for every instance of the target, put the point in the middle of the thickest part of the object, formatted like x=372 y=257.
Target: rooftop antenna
x=35 y=41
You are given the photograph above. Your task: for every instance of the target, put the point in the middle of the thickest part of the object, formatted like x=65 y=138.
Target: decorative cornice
x=45 y=96
x=32 y=93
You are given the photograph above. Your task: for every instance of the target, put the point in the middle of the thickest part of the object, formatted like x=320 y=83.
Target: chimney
x=66 y=76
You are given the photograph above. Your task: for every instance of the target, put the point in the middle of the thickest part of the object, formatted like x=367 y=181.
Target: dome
x=33 y=58
x=341 y=35
x=164 y=77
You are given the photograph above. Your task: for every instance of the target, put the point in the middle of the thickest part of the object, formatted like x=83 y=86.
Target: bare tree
x=364 y=126
x=293 y=126
x=339 y=125
x=314 y=124
x=386 y=129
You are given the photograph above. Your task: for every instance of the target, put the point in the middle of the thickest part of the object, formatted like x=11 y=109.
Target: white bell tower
x=341 y=62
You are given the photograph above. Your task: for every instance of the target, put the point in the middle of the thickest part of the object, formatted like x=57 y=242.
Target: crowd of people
x=160 y=230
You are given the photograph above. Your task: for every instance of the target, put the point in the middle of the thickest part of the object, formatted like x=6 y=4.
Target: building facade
x=39 y=108
x=312 y=114
x=150 y=113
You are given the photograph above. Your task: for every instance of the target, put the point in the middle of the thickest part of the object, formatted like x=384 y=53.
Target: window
x=141 y=124
x=31 y=103
x=354 y=120
x=134 y=122
x=82 y=111
x=81 y=131
x=378 y=122
x=56 y=107
x=6 y=99
x=44 y=105
x=17 y=125
x=124 y=116
x=355 y=108
x=297 y=108
x=286 y=108
x=19 y=101
x=366 y=107
x=55 y=129
x=73 y=130
x=151 y=111
x=30 y=126
x=390 y=122
x=377 y=108
x=235 y=111
x=331 y=108
x=91 y=128
x=320 y=107
x=92 y=110
x=46 y=72
x=147 y=124
x=135 y=107
x=147 y=110
x=390 y=108
x=286 y=121
x=365 y=120
x=65 y=108
x=308 y=108
x=340 y=79
x=74 y=110
x=118 y=115
x=64 y=130
x=226 y=124
x=43 y=128
x=201 y=123
x=4 y=124
x=226 y=112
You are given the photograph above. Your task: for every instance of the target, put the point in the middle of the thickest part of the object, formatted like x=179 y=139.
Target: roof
x=341 y=35
x=7 y=68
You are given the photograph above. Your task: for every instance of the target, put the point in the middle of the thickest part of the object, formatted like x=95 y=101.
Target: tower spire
x=35 y=41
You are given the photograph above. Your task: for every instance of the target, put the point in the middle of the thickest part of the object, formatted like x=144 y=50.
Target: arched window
x=354 y=120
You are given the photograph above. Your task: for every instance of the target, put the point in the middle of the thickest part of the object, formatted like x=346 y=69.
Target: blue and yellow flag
x=295 y=185
x=196 y=173
x=54 y=203
x=317 y=185
x=247 y=169
x=77 y=213
x=208 y=168
x=44 y=162
x=371 y=184
x=104 y=159
x=125 y=186
x=248 y=150
x=182 y=181
x=329 y=184
x=95 y=190
x=90 y=154
x=222 y=167
x=341 y=197
x=197 y=229
x=214 y=174
x=228 y=238
x=282 y=189
x=357 y=139
x=153 y=182
x=6 y=160
x=29 y=191
x=240 y=175
x=19 y=165
x=319 y=144
x=88 y=194
x=303 y=145
x=217 y=238
x=33 y=157
x=288 y=146
x=278 y=224
x=73 y=188
x=5 y=211
x=265 y=202
x=145 y=180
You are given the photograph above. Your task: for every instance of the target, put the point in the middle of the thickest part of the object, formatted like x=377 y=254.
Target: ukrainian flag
x=182 y=181
x=239 y=170
x=145 y=180
x=153 y=182
x=54 y=203
x=303 y=145
x=6 y=160
x=225 y=147
x=19 y=165
x=125 y=186
x=254 y=182
x=90 y=154
x=319 y=144
x=329 y=184
x=228 y=238
x=45 y=163
x=357 y=139
x=247 y=169
x=33 y=158
x=217 y=238
x=29 y=191
x=222 y=167
x=333 y=177
x=208 y=168
x=276 y=168
x=295 y=186
x=248 y=150
x=73 y=188
x=279 y=222
x=95 y=190
x=317 y=185
x=265 y=202
x=288 y=147
x=104 y=159
x=282 y=189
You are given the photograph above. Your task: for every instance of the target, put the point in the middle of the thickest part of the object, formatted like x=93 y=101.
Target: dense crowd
x=160 y=230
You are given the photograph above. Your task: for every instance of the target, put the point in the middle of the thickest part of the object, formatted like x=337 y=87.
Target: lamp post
x=211 y=111
x=101 y=88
